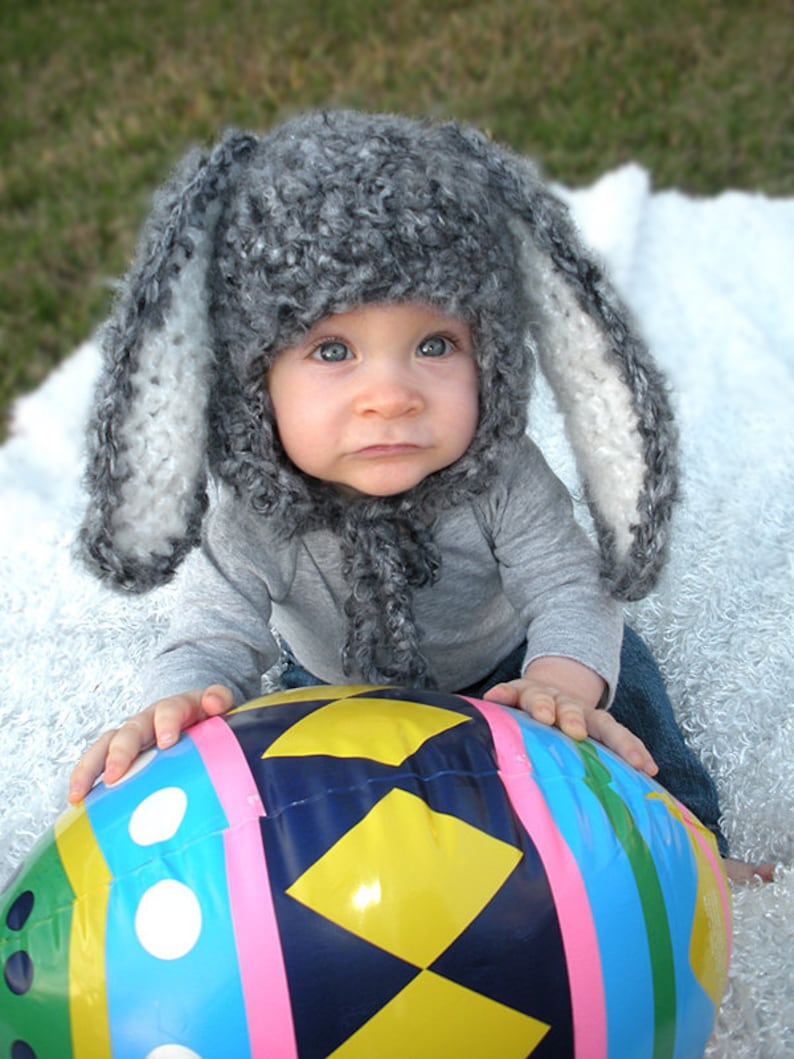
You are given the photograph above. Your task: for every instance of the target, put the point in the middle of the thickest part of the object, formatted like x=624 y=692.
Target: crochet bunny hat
x=253 y=243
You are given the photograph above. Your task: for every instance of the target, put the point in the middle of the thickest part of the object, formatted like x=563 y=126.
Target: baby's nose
x=389 y=393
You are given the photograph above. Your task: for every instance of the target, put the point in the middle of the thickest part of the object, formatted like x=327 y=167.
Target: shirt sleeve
x=550 y=571
x=219 y=632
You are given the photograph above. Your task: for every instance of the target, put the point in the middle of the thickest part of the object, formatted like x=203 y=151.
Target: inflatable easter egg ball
x=367 y=873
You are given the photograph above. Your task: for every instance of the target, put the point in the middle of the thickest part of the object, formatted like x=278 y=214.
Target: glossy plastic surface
x=366 y=872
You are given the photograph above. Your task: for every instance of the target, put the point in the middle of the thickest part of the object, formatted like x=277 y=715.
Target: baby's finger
x=172 y=715
x=602 y=726
x=111 y=755
x=88 y=768
x=216 y=699
x=126 y=743
x=540 y=704
x=505 y=694
x=571 y=718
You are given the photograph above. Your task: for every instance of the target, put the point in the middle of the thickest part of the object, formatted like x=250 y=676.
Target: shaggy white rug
x=710 y=283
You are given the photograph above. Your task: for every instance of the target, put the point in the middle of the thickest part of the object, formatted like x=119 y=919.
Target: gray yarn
x=145 y=299
x=383 y=559
x=327 y=212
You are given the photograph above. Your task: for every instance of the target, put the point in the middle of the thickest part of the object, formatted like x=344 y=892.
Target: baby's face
x=377 y=398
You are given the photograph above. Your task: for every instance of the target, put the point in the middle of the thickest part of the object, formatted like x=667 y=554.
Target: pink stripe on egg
x=264 y=979
x=578 y=931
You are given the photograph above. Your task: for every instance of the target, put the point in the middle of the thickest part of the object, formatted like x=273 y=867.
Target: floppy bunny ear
x=612 y=396
x=611 y=393
x=147 y=441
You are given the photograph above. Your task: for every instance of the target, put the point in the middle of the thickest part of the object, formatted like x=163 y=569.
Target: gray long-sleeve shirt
x=515 y=565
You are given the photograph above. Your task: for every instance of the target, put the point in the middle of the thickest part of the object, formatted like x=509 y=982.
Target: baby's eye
x=331 y=352
x=434 y=346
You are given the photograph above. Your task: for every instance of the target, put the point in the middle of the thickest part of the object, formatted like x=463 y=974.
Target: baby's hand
x=564 y=693
x=160 y=723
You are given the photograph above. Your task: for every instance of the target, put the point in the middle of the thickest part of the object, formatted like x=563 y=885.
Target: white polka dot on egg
x=168 y=920
x=172 y=1051
x=158 y=817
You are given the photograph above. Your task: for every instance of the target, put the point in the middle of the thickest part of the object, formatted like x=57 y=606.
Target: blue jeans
x=641 y=703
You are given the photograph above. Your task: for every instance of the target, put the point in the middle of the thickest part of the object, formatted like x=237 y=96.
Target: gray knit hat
x=253 y=243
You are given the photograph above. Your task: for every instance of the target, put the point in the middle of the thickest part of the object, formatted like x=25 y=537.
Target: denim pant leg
x=642 y=705
x=294 y=675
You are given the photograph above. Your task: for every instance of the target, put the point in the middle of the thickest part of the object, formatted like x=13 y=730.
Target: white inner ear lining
x=165 y=431
x=596 y=402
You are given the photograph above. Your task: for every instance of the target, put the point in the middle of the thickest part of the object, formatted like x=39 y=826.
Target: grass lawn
x=100 y=98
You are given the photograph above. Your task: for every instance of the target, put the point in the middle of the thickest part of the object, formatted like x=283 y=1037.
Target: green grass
x=100 y=99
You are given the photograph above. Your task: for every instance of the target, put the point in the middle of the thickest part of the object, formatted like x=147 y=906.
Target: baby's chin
x=350 y=492
x=389 y=483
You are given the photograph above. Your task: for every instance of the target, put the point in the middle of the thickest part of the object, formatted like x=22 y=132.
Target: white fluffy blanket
x=710 y=283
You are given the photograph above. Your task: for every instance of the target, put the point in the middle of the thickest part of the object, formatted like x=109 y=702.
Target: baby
x=336 y=324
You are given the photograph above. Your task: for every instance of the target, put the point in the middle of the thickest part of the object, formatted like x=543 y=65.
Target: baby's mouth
x=388 y=449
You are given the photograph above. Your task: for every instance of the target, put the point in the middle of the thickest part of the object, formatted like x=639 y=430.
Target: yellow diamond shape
x=435 y=1017
x=407 y=878
x=378 y=729
x=325 y=692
